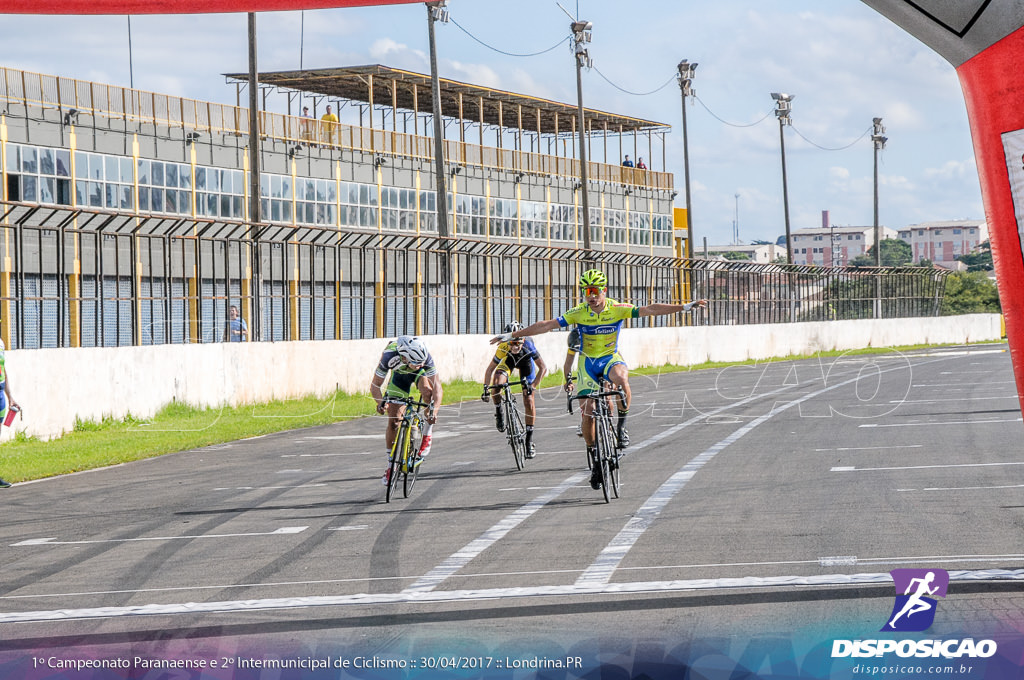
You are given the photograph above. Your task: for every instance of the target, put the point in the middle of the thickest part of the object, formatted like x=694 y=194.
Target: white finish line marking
x=420 y=596
x=54 y=541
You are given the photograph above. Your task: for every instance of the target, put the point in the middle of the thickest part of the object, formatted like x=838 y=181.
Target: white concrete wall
x=56 y=386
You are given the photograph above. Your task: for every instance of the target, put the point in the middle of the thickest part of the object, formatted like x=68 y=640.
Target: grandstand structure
x=124 y=214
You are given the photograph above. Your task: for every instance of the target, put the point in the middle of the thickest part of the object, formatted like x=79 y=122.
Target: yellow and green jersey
x=599 y=332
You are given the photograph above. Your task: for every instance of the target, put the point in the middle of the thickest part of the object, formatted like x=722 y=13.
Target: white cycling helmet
x=513 y=326
x=412 y=349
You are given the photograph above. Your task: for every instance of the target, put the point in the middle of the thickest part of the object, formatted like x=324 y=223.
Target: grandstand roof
x=396 y=87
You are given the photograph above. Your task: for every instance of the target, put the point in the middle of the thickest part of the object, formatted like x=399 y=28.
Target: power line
x=738 y=125
x=637 y=94
x=508 y=54
x=825 y=148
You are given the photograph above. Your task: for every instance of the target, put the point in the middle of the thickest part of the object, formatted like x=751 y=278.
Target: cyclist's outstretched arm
x=661 y=309
x=532 y=329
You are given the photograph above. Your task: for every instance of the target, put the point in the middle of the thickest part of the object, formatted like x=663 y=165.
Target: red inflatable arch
x=176 y=6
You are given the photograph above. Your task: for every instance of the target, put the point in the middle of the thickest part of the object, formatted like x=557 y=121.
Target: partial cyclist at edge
x=599 y=320
x=410 y=364
x=519 y=354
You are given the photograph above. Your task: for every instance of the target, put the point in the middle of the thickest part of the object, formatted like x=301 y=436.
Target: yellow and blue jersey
x=599 y=332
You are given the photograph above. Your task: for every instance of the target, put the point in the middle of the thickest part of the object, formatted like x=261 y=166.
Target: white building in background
x=834 y=246
x=941 y=242
x=761 y=253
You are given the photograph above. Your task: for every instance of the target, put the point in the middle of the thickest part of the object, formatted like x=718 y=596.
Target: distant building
x=942 y=242
x=762 y=253
x=816 y=246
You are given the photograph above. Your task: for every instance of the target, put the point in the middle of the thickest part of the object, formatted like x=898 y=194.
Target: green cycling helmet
x=593 y=278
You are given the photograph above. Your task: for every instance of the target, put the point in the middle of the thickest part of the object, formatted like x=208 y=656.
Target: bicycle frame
x=403 y=461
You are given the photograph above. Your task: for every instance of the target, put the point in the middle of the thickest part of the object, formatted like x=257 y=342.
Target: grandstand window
x=163 y=187
x=220 y=193
x=103 y=181
x=38 y=174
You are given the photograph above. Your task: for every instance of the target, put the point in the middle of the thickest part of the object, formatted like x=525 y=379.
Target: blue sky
x=844 y=62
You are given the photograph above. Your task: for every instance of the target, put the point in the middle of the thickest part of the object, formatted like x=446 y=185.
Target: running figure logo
x=914 y=609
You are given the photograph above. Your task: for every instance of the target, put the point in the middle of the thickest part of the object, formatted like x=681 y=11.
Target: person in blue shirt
x=236 y=330
x=520 y=355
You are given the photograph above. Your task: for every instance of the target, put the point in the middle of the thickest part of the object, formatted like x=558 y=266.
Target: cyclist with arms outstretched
x=519 y=354
x=599 y=320
x=410 y=364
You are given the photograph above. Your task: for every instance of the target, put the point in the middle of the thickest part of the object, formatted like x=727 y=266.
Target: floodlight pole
x=686 y=74
x=436 y=11
x=581 y=36
x=878 y=142
x=783 y=107
x=254 y=186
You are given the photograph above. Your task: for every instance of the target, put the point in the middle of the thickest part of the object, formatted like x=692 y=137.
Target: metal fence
x=74 y=277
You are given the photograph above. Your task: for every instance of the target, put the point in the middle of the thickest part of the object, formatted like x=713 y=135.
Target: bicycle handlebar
x=522 y=381
x=593 y=395
x=407 y=401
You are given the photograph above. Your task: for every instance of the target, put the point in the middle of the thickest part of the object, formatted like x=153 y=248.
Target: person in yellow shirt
x=329 y=123
x=599 y=321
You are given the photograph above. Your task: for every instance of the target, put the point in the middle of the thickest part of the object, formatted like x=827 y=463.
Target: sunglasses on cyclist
x=592 y=290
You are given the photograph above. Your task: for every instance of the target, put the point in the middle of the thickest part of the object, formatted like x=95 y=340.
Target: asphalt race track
x=756 y=500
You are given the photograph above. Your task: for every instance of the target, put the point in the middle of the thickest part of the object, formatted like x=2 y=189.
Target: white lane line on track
x=54 y=541
x=872 y=448
x=939 y=401
x=438 y=574
x=930 y=423
x=264 y=488
x=965 y=488
x=420 y=597
x=601 y=570
x=922 y=467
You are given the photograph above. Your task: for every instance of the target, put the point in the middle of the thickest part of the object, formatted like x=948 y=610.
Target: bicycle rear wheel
x=412 y=467
x=516 y=433
x=394 y=470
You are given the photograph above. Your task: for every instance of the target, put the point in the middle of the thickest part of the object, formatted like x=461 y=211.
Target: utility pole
x=687 y=71
x=783 y=108
x=581 y=36
x=254 y=186
x=436 y=11
x=736 y=222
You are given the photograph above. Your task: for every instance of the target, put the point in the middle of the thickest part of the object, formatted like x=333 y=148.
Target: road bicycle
x=515 y=430
x=604 y=437
x=404 y=460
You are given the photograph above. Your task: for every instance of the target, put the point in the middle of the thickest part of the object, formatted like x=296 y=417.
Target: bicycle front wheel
x=604 y=453
x=411 y=467
x=395 y=469
x=614 y=465
x=516 y=433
